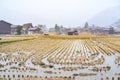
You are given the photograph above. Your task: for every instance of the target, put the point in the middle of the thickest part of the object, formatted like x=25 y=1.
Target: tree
x=86 y=25
x=19 y=28
x=62 y=26
x=93 y=26
x=57 y=29
x=111 y=30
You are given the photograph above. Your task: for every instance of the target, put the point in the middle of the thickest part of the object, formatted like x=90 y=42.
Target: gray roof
x=27 y=26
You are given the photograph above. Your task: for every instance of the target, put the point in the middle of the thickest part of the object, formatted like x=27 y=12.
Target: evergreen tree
x=86 y=25
x=19 y=28
x=111 y=30
x=57 y=29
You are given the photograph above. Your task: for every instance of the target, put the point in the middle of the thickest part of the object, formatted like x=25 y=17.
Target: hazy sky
x=50 y=12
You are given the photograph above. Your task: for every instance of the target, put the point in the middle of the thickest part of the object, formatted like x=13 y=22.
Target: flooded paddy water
x=67 y=59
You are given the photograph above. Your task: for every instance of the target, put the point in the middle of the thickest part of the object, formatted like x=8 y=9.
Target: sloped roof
x=2 y=21
x=5 y=27
x=27 y=25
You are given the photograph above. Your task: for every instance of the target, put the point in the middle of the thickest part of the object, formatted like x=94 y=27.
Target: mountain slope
x=116 y=24
x=106 y=17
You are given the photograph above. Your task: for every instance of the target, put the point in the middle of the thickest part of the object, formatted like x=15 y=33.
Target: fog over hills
x=116 y=24
x=106 y=17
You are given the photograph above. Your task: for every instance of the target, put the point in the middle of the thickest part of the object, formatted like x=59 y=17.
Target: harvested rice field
x=60 y=58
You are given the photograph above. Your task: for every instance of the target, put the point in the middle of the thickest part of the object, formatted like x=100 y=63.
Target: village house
x=26 y=28
x=34 y=30
x=73 y=32
x=29 y=29
x=5 y=28
x=14 y=29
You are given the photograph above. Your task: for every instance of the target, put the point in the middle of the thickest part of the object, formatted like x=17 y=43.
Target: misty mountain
x=116 y=24
x=106 y=17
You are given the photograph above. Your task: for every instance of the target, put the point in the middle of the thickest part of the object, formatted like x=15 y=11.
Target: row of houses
x=77 y=31
x=29 y=29
x=64 y=31
x=90 y=29
x=8 y=28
